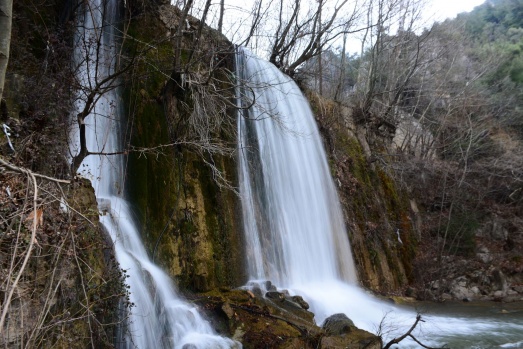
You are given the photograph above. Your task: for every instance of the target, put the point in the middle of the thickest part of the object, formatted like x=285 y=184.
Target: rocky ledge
x=274 y=319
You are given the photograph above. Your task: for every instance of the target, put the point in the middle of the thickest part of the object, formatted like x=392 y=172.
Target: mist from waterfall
x=294 y=227
x=158 y=317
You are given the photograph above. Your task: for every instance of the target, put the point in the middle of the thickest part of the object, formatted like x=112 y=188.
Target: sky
x=236 y=14
x=443 y=9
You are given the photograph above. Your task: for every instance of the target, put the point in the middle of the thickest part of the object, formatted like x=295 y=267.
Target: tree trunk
x=6 y=14
x=220 y=20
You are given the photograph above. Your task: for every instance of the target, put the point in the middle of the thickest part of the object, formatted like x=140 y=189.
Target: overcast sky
x=450 y=8
x=236 y=13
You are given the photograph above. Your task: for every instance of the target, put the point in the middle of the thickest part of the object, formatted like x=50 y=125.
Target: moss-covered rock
x=263 y=322
x=190 y=223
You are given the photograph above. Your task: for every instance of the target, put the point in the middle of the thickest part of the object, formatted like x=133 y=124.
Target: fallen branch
x=409 y=334
x=30 y=173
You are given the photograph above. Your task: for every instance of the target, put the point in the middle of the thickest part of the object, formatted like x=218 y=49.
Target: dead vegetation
x=58 y=282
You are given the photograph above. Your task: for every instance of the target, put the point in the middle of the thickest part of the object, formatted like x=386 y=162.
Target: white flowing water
x=293 y=217
x=295 y=233
x=158 y=318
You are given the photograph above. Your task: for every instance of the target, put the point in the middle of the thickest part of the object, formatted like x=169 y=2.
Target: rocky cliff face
x=182 y=185
x=67 y=295
x=406 y=237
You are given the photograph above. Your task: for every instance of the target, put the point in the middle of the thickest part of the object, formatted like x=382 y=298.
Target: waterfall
x=300 y=234
x=295 y=234
x=158 y=317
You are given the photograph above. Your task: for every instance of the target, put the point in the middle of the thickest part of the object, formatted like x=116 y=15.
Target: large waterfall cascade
x=294 y=227
x=158 y=318
x=293 y=220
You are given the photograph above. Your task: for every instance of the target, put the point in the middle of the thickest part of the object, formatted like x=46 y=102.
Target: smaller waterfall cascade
x=295 y=233
x=158 y=318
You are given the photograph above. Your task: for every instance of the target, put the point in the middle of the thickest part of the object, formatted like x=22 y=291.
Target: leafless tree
x=6 y=15
x=392 y=53
x=304 y=33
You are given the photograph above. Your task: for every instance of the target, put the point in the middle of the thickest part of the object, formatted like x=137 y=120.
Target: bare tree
x=302 y=34
x=391 y=60
x=6 y=16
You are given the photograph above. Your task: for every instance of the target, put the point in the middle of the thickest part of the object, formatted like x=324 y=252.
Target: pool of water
x=484 y=325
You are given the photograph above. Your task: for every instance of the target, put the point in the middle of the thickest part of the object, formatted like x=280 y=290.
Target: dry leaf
x=39 y=218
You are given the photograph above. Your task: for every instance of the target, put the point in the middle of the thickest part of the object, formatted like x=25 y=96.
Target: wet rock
x=338 y=324
x=358 y=339
x=275 y=295
x=300 y=301
x=256 y=291
x=262 y=322
x=269 y=286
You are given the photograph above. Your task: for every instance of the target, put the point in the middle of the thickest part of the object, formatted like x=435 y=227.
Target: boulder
x=300 y=301
x=484 y=255
x=460 y=289
x=275 y=295
x=337 y=324
x=269 y=286
x=499 y=281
